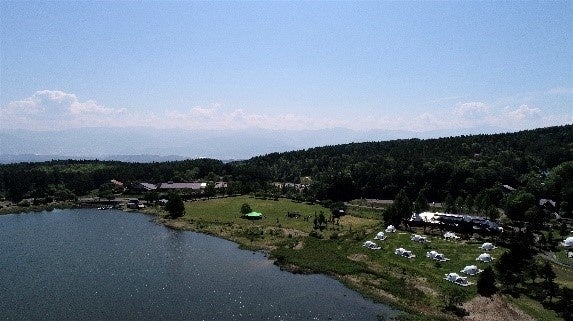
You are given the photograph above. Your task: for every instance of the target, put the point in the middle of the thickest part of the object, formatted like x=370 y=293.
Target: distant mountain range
x=144 y=144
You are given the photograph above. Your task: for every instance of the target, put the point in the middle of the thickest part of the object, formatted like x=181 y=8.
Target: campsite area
x=415 y=285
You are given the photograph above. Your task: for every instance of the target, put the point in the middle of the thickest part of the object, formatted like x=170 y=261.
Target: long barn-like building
x=456 y=221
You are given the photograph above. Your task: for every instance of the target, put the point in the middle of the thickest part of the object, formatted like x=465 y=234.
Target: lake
x=111 y=265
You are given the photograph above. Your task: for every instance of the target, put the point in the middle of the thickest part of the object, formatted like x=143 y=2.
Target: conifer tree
x=175 y=206
x=486 y=283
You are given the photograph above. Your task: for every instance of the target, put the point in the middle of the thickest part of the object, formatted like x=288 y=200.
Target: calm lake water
x=111 y=265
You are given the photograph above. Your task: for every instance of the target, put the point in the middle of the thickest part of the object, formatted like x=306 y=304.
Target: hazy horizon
x=144 y=144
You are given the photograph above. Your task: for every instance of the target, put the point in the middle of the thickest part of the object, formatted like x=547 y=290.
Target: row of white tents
x=470 y=270
x=379 y=236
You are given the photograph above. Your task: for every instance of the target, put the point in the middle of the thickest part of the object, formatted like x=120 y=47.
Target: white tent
x=380 y=236
x=484 y=257
x=568 y=242
x=371 y=245
x=487 y=246
x=471 y=270
x=419 y=238
x=455 y=278
x=434 y=255
x=405 y=253
x=390 y=229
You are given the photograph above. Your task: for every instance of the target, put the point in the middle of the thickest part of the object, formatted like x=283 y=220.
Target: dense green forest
x=466 y=173
x=461 y=166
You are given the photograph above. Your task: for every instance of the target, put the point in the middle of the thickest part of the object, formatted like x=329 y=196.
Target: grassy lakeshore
x=415 y=286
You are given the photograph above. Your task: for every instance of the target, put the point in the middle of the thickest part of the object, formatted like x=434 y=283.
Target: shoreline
x=184 y=225
x=15 y=209
x=366 y=283
x=190 y=228
x=356 y=284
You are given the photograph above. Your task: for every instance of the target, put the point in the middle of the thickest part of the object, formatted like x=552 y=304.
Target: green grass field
x=373 y=213
x=226 y=211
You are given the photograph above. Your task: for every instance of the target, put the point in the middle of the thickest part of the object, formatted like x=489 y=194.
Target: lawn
x=366 y=212
x=425 y=273
x=227 y=211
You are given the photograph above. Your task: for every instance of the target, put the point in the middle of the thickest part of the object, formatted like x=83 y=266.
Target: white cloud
x=220 y=118
x=50 y=110
x=428 y=121
x=506 y=116
x=207 y=113
x=522 y=112
x=91 y=107
x=53 y=109
x=472 y=110
x=53 y=102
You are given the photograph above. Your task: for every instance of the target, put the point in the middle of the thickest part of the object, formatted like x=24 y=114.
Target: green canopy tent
x=253 y=216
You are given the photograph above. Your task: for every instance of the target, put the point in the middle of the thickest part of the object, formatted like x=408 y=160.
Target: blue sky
x=286 y=65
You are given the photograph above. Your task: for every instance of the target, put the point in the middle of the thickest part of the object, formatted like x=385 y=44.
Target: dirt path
x=493 y=309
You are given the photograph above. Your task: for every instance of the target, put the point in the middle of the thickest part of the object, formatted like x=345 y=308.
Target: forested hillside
x=539 y=161
x=466 y=171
